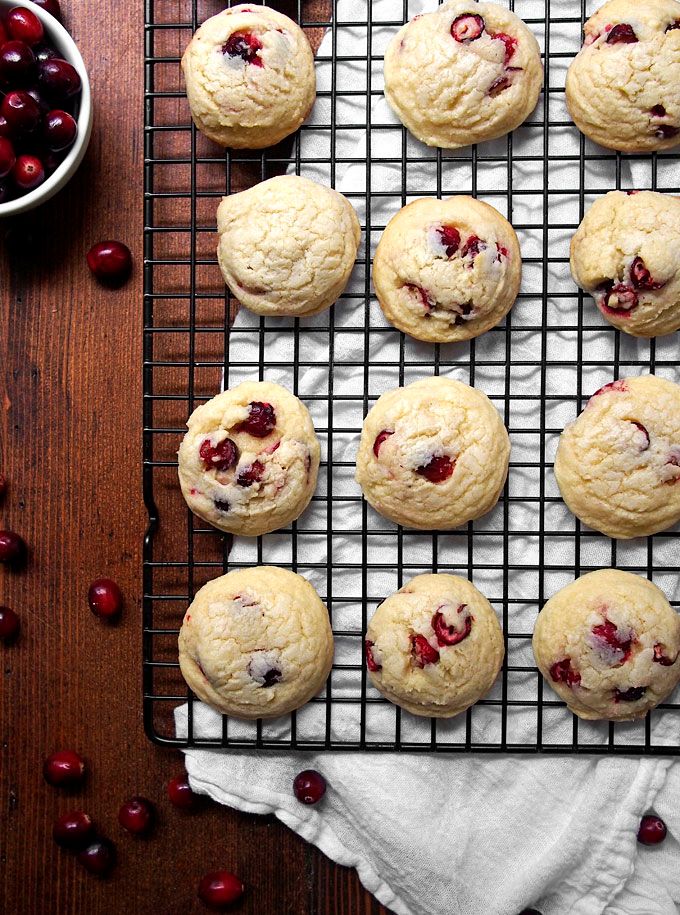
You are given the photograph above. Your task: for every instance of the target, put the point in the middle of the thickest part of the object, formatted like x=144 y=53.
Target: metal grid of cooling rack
x=538 y=366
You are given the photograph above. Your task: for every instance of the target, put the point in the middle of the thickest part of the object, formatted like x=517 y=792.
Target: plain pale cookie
x=287 y=246
x=608 y=645
x=435 y=647
x=623 y=87
x=433 y=455
x=447 y=270
x=256 y=643
x=618 y=465
x=249 y=462
x=465 y=73
x=626 y=254
x=250 y=77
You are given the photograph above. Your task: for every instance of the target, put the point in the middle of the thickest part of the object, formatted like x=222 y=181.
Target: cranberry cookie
x=447 y=270
x=287 y=246
x=433 y=455
x=250 y=77
x=623 y=87
x=608 y=645
x=256 y=643
x=626 y=254
x=249 y=462
x=435 y=647
x=465 y=73
x=618 y=464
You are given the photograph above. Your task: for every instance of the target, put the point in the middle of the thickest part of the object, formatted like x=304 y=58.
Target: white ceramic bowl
x=56 y=35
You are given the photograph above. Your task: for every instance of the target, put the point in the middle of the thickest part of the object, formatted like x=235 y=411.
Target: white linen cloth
x=450 y=834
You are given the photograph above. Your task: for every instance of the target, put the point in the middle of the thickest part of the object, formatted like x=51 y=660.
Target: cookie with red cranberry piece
x=447 y=270
x=256 y=643
x=618 y=465
x=609 y=645
x=464 y=73
x=626 y=254
x=435 y=647
x=250 y=77
x=433 y=455
x=623 y=87
x=287 y=246
x=249 y=462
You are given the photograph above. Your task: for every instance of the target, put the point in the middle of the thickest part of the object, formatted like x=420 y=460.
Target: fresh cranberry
x=622 y=34
x=510 y=45
x=422 y=652
x=562 y=672
x=450 y=239
x=309 y=786
x=472 y=247
x=28 y=172
x=629 y=695
x=244 y=45
x=657 y=111
x=666 y=131
x=645 y=433
x=640 y=276
x=261 y=420
x=661 y=658
x=23 y=25
x=73 y=830
x=222 y=506
x=652 y=830
x=437 y=469
x=618 y=298
x=219 y=889
x=17 y=63
x=221 y=456
x=45 y=52
x=180 y=793
x=39 y=100
x=618 y=385
x=7 y=157
x=58 y=78
x=110 y=262
x=498 y=86
x=105 y=598
x=5 y=129
x=467 y=28
x=12 y=548
x=4 y=37
x=251 y=474
x=98 y=858
x=371 y=663
x=50 y=6
x=137 y=815
x=380 y=438
x=418 y=291
x=449 y=635
x=9 y=624
x=64 y=769
x=59 y=130
x=21 y=111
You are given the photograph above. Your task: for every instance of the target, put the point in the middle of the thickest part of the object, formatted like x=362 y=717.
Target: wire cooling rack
x=538 y=367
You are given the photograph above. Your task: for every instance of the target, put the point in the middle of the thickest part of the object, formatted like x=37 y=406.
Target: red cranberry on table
x=17 y=63
x=28 y=172
x=99 y=857
x=110 y=261
x=9 y=624
x=137 y=815
x=652 y=830
x=105 y=598
x=23 y=25
x=74 y=829
x=50 y=6
x=21 y=111
x=59 y=130
x=219 y=889
x=309 y=786
x=58 y=78
x=12 y=548
x=64 y=769
x=180 y=793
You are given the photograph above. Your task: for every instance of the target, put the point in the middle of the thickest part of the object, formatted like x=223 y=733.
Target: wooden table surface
x=70 y=444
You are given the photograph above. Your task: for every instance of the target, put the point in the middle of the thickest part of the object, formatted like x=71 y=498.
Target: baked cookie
x=618 y=464
x=256 y=643
x=608 y=645
x=626 y=254
x=287 y=246
x=623 y=87
x=250 y=77
x=447 y=270
x=249 y=462
x=435 y=647
x=465 y=73
x=433 y=455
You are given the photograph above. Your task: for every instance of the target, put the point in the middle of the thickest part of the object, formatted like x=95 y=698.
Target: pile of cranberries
x=39 y=90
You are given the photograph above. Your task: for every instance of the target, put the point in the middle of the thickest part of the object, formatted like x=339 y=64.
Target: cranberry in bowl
x=45 y=106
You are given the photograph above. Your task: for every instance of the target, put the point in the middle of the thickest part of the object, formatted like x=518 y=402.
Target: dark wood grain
x=70 y=444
